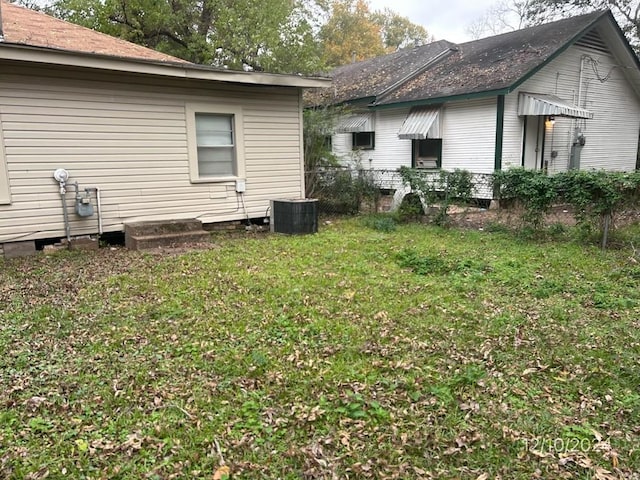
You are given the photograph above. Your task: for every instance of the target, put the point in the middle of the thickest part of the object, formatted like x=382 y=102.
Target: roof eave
x=30 y=54
x=357 y=102
x=443 y=99
x=559 y=51
x=353 y=103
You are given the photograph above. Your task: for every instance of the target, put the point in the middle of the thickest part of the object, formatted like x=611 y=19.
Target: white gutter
x=25 y=53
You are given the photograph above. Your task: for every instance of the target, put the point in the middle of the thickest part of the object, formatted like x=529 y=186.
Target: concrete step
x=144 y=235
x=18 y=249
x=161 y=227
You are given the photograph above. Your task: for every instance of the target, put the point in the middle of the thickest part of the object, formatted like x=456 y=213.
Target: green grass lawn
x=353 y=353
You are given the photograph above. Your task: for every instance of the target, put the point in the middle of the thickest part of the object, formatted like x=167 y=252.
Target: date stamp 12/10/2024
x=558 y=445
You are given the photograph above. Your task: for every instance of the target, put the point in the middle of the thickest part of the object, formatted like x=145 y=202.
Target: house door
x=533 y=142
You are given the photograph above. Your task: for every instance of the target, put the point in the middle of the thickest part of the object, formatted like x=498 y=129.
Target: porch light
x=550 y=122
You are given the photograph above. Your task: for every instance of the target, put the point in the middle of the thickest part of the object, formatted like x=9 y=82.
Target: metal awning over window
x=359 y=122
x=421 y=123
x=541 y=104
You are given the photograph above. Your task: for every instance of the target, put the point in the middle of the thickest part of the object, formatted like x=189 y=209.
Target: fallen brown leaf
x=222 y=473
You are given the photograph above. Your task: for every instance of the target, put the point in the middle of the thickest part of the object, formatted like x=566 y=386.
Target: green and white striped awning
x=421 y=123
x=545 y=105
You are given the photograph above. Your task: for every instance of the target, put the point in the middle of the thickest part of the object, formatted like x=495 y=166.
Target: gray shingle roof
x=372 y=77
x=485 y=65
x=492 y=63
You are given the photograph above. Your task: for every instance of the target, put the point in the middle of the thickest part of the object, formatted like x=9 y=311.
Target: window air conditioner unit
x=426 y=163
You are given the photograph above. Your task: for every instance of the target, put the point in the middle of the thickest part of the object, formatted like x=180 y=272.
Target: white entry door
x=533 y=143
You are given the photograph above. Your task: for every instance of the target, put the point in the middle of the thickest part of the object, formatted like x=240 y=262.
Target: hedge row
x=594 y=195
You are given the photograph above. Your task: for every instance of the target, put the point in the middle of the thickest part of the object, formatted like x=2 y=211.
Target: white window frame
x=5 y=188
x=238 y=140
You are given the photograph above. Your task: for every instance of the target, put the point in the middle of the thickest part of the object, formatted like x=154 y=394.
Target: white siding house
x=468 y=135
x=553 y=97
x=133 y=128
x=594 y=80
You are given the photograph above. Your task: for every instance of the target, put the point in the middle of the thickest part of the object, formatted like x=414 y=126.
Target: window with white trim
x=5 y=191
x=216 y=150
x=215 y=142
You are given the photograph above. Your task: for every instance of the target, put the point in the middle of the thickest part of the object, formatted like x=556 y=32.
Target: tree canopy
x=350 y=33
x=285 y=36
x=507 y=15
x=399 y=32
x=265 y=35
x=354 y=33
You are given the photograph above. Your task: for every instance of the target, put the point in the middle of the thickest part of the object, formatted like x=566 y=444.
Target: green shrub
x=596 y=195
x=411 y=208
x=340 y=192
x=440 y=189
x=532 y=190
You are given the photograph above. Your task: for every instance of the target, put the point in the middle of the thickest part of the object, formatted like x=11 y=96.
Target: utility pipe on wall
x=573 y=135
x=65 y=214
x=582 y=59
x=97 y=190
x=99 y=211
x=61 y=176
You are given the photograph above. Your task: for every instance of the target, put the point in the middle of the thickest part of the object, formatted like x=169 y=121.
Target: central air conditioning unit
x=295 y=217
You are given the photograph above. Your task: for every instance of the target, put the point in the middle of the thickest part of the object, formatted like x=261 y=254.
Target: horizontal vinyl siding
x=612 y=134
x=391 y=152
x=512 y=132
x=341 y=147
x=469 y=134
x=130 y=140
x=5 y=191
x=468 y=139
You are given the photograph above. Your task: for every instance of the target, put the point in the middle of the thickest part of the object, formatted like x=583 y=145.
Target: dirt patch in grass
x=511 y=218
